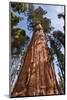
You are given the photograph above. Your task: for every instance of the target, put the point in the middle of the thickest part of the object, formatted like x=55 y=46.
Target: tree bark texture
x=37 y=77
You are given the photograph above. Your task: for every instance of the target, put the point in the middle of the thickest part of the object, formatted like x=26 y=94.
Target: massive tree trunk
x=37 y=77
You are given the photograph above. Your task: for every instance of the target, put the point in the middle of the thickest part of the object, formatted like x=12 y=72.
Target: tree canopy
x=18 y=35
x=36 y=16
x=59 y=36
x=18 y=7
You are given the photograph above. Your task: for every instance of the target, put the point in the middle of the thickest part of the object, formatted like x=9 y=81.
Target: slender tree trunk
x=37 y=77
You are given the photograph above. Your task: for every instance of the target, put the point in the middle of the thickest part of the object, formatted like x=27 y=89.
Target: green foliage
x=59 y=36
x=18 y=7
x=36 y=16
x=18 y=36
x=15 y=20
x=46 y=23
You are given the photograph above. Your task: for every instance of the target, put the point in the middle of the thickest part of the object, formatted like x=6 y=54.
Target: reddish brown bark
x=37 y=77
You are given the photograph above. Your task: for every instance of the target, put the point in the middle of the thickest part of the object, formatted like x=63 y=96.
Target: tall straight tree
x=37 y=77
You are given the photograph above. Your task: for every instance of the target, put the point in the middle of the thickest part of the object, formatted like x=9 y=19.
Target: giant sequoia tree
x=37 y=77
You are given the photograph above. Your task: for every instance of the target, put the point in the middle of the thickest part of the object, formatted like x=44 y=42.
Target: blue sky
x=52 y=12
